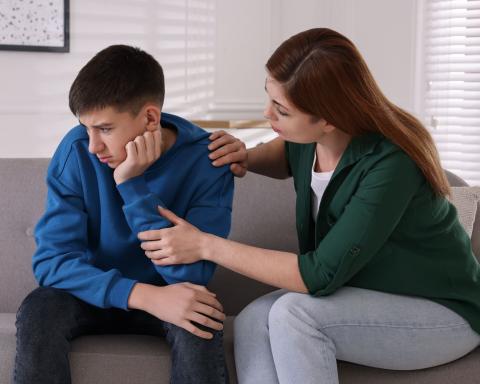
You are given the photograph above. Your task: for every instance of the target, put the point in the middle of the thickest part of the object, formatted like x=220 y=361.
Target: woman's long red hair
x=324 y=75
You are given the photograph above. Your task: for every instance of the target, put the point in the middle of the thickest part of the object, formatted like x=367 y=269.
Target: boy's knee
x=188 y=343
x=42 y=306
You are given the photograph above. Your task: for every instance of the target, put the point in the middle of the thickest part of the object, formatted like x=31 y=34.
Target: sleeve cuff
x=119 y=292
x=305 y=273
x=133 y=189
x=318 y=282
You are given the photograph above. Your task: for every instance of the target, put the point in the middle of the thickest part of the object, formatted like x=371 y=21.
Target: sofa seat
x=111 y=359
x=139 y=359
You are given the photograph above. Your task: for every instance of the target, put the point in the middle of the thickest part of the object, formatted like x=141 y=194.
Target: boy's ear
x=152 y=117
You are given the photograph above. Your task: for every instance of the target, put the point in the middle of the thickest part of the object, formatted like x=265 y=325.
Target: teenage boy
x=105 y=183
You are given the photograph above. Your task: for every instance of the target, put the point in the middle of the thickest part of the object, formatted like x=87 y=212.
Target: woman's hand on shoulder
x=226 y=149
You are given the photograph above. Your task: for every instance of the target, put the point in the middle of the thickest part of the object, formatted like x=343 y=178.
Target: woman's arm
x=184 y=243
x=267 y=159
x=276 y=268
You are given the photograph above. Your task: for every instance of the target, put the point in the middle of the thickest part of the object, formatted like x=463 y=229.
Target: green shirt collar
x=358 y=147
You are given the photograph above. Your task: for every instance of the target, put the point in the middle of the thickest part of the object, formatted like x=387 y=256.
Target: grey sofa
x=263 y=216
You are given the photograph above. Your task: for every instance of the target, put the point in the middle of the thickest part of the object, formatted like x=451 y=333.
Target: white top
x=319 y=183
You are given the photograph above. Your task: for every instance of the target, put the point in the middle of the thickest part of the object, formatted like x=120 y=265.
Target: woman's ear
x=326 y=126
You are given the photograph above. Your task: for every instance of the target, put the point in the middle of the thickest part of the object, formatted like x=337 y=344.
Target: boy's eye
x=105 y=130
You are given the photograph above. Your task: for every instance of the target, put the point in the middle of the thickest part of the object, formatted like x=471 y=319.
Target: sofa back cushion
x=268 y=202
x=263 y=215
x=466 y=201
x=22 y=199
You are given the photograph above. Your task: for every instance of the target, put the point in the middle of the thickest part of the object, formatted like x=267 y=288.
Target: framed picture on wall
x=34 y=25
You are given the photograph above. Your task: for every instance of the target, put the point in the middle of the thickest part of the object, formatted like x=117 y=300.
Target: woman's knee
x=290 y=310
x=255 y=315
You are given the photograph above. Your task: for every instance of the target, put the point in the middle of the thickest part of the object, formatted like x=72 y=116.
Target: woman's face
x=290 y=123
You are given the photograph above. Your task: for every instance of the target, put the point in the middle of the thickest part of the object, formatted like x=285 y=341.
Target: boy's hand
x=181 y=304
x=229 y=150
x=142 y=152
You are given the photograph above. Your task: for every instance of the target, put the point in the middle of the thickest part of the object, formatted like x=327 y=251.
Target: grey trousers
x=292 y=338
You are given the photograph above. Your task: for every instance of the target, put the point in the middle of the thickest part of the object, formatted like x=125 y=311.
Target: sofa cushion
x=466 y=201
x=7 y=346
x=109 y=359
x=144 y=359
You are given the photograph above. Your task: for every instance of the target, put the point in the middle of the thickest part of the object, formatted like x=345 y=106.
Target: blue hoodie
x=87 y=238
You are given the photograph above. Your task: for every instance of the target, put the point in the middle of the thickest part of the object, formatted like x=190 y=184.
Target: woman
x=391 y=278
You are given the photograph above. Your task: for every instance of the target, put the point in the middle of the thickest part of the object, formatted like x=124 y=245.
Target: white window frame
x=450 y=109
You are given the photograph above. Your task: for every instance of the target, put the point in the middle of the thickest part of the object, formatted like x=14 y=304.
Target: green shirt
x=380 y=226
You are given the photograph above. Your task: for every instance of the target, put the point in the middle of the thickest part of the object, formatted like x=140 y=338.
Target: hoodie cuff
x=119 y=292
x=133 y=189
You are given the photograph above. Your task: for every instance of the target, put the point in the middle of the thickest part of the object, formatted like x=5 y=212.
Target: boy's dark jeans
x=49 y=319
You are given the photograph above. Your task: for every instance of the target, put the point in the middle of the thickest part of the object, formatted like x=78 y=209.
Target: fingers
x=215 y=135
x=196 y=331
x=238 y=170
x=157 y=255
x=141 y=150
x=148 y=146
x=226 y=149
x=131 y=150
x=163 y=261
x=223 y=139
x=150 y=235
x=229 y=150
x=157 y=135
x=151 y=245
x=229 y=158
x=169 y=215
x=149 y=141
x=206 y=321
x=205 y=298
x=200 y=288
x=211 y=312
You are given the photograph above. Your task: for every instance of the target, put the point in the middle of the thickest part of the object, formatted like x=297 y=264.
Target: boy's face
x=109 y=131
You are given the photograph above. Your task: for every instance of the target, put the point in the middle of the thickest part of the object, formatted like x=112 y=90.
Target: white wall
x=34 y=87
x=248 y=31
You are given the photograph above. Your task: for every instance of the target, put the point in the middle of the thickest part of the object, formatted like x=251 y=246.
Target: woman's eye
x=280 y=112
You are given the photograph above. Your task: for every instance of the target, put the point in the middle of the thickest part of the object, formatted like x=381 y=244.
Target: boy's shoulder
x=68 y=145
x=73 y=136
x=187 y=132
x=192 y=148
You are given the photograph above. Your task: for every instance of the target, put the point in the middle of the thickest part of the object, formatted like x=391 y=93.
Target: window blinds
x=186 y=49
x=451 y=102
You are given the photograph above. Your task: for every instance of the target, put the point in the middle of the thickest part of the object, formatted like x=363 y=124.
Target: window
x=451 y=83
x=186 y=49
